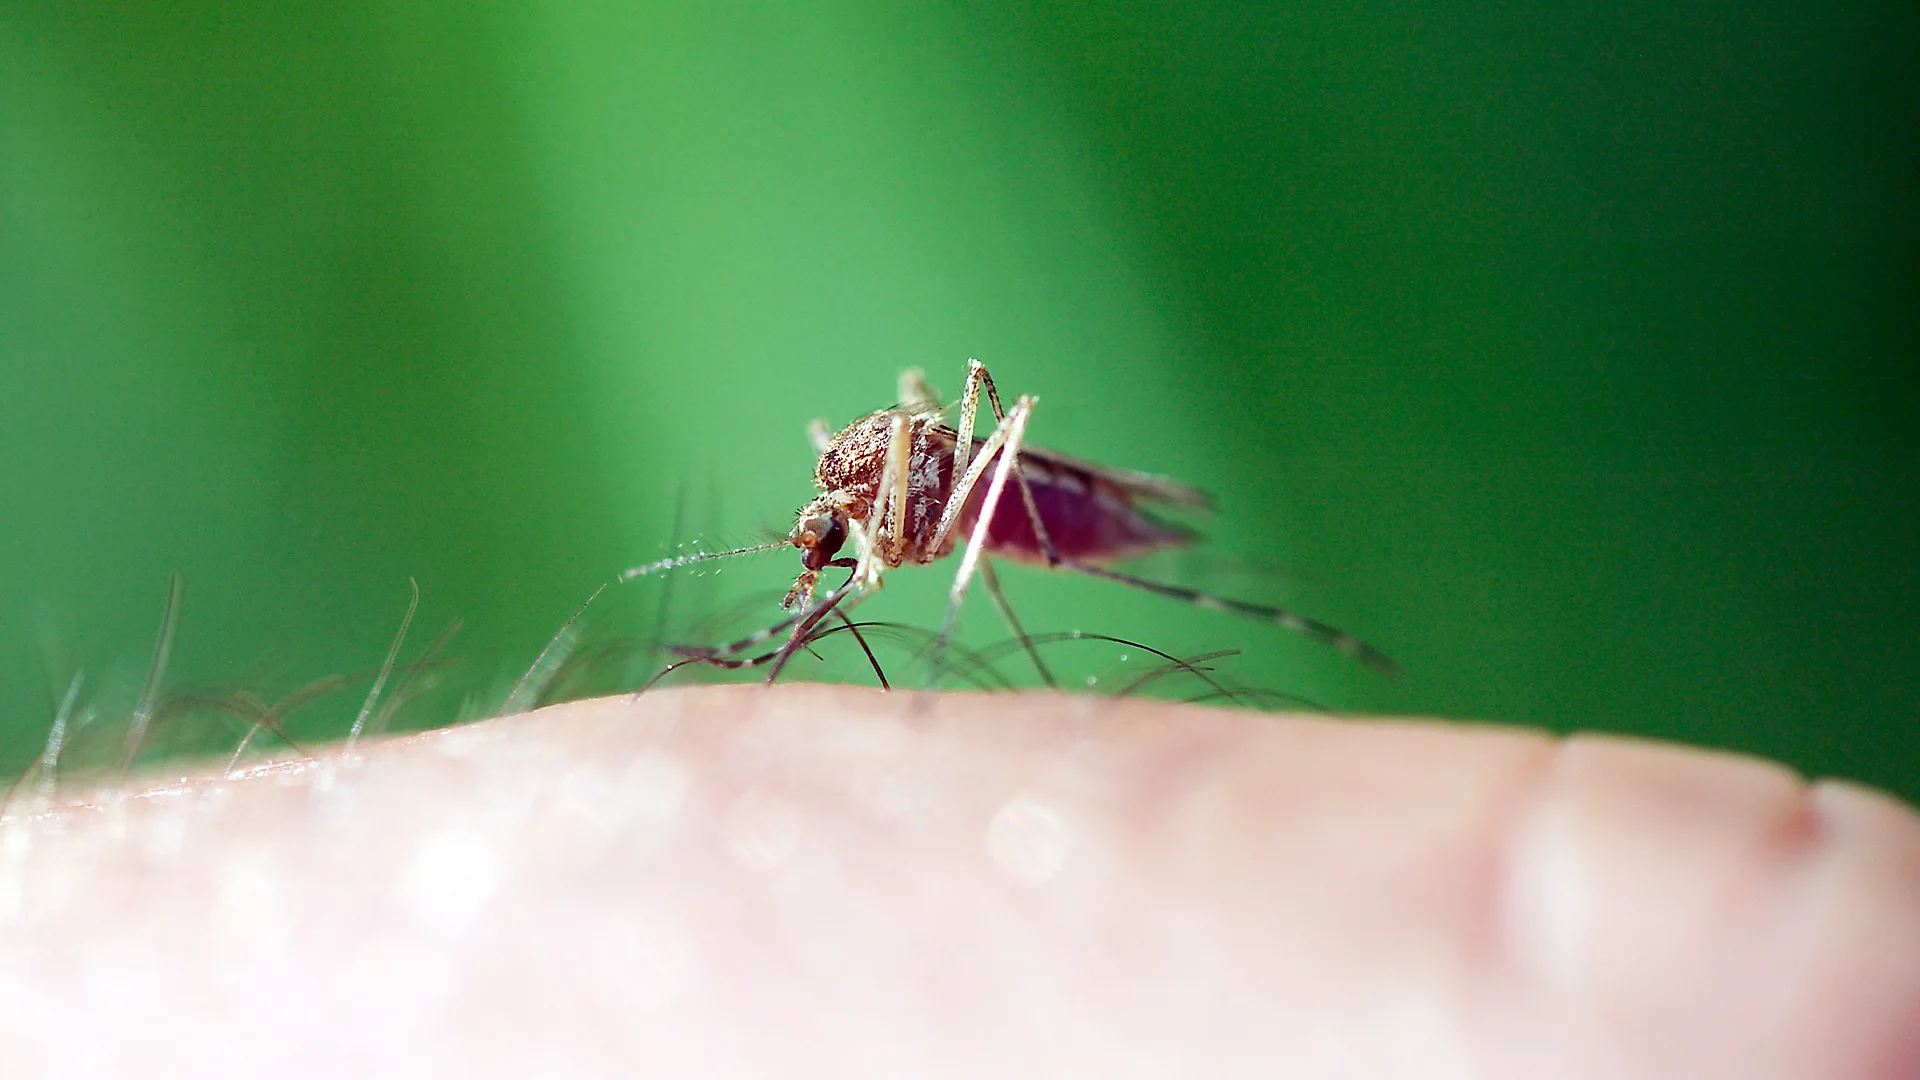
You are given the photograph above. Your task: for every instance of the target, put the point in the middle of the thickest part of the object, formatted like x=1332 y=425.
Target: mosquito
x=902 y=487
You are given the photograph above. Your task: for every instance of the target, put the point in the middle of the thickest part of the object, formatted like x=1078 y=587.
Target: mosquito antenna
x=156 y=672
x=698 y=556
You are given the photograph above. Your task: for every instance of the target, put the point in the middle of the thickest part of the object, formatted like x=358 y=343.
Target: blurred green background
x=1568 y=353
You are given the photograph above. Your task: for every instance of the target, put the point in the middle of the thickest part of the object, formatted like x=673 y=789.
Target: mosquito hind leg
x=1325 y=633
x=992 y=581
x=977 y=380
x=1005 y=440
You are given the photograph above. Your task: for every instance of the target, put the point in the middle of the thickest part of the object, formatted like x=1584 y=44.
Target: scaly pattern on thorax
x=856 y=457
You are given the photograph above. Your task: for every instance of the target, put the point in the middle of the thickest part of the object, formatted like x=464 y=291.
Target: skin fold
x=828 y=881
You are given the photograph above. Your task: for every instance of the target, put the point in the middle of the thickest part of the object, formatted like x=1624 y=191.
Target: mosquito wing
x=1049 y=465
x=1145 y=487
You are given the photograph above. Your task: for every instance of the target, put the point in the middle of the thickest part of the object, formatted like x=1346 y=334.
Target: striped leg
x=978 y=380
x=1006 y=439
x=1324 y=633
x=992 y=582
x=850 y=593
x=802 y=623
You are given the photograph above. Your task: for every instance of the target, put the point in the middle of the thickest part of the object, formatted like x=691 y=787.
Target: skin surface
x=826 y=881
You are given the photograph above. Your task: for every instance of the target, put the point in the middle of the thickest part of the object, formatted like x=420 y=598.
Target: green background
x=1568 y=353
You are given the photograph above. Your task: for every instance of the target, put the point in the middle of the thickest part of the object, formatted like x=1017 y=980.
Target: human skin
x=825 y=881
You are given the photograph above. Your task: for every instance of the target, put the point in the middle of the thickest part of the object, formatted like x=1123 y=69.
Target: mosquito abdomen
x=1085 y=522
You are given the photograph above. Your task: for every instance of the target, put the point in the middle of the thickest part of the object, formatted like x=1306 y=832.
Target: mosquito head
x=818 y=534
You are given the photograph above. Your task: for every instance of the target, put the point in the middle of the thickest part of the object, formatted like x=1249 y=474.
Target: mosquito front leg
x=865 y=563
x=891 y=509
x=851 y=593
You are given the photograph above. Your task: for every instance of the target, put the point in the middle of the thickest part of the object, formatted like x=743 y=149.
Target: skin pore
x=827 y=881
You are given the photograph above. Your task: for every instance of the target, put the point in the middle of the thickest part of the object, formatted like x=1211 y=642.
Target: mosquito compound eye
x=827 y=535
x=836 y=535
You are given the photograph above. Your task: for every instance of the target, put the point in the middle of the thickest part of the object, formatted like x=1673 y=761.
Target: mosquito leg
x=916 y=396
x=1020 y=474
x=962 y=488
x=852 y=592
x=748 y=642
x=801 y=622
x=977 y=379
x=673 y=667
x=891 y=511
x=969 y=408
x=726 y=663
x=888 y=516
x=986 y=383
x=1191 y=666
x=978 y=673
x=1324 y=633
x=854 y=629
x=1007 y=434
x=821 y=436
x=992 y=582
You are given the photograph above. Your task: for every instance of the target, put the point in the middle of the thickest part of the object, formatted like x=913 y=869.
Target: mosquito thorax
x=855 y=457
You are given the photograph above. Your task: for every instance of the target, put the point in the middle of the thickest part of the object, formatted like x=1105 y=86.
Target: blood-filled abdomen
x=1087 y=519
